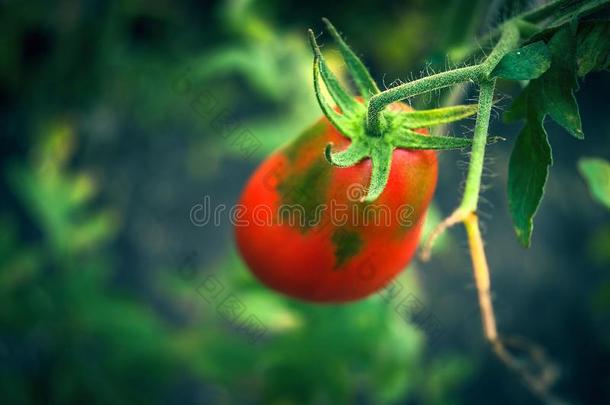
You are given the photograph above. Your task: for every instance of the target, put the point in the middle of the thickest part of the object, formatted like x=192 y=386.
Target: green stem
x=476 y=73
x=475 y=168
x=537 y=382
x=424 y=85
x=508 y=41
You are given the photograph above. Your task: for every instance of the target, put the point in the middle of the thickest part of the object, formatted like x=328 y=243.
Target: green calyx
x=397 y=128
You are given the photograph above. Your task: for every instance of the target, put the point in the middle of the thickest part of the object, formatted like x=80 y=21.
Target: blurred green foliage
x=596 y=172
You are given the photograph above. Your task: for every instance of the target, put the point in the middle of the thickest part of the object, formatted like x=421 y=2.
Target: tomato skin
x=333 y=260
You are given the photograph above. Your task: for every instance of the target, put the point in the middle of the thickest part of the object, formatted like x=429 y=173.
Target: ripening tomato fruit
x=305 y=232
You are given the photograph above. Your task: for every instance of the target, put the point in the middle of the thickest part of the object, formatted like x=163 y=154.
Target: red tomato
x=304 y=232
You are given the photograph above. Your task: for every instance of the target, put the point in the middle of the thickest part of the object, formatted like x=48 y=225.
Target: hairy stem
x=479 y=140
x=508 y=41
x=424 y=85
x=477 y=73
x=537 y=381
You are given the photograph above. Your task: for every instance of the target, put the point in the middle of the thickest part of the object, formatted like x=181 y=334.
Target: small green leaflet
x=559 y=83
x=550 y=94
x=554 y=90
x=593 y=52
x=597 y=175
x=526 y=63
x=528 y=170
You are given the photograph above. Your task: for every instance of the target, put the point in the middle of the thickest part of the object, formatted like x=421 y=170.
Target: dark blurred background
x=117 y=117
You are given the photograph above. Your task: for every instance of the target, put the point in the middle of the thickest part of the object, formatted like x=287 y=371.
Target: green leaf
x=429 y=118
x=559 y=83
x=554 y=90
x=596 y=172
x=527 y=173
x=551 y=94
x=365 y=83
x=518 y=109
x=526 y=63
x=593 y=49
x=568 y=15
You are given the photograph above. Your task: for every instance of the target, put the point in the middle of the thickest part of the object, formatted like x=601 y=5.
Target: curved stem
x=414 y=88
x=470 y=199
x=537 y=382
x=477 y=73
x=455 y=218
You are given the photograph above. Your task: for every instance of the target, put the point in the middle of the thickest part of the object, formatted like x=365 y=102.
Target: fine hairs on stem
x=538 y=382
x=377 y=135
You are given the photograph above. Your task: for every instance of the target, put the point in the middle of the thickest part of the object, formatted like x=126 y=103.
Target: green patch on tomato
x=347 y=245
x=306 y=192
x=303 y=141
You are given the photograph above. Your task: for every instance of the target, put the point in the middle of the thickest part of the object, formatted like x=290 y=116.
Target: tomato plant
x=548 y=49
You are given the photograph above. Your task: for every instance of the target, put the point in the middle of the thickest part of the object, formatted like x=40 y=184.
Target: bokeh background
x=117 y=117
